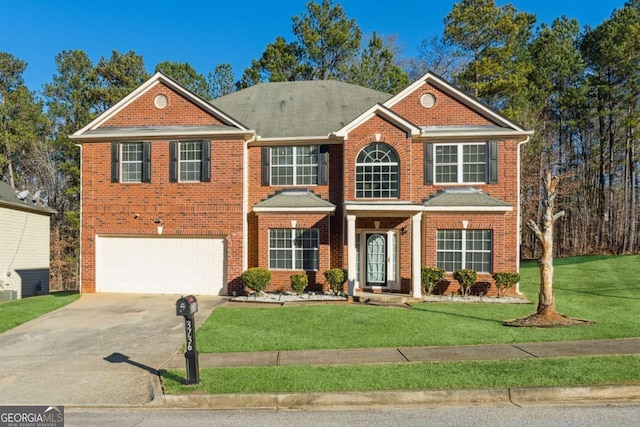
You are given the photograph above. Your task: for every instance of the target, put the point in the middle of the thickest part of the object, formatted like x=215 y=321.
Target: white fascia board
x=143 y=88
x=295 y=140
x=383 y=208
x=454 y=92
x=429 y=135
x=129 y=136
x=383 y=111
x=467 y=209
x=259 y=210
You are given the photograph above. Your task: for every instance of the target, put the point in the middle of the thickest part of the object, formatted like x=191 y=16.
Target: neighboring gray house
x=24 y=244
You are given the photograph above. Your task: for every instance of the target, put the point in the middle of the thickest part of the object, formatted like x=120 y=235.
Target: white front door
x=376 y=260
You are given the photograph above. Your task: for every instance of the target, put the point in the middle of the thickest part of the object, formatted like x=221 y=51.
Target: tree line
x=577 y=88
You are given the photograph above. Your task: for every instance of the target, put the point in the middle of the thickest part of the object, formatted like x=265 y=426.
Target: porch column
x=351 y=254
x=416 y=254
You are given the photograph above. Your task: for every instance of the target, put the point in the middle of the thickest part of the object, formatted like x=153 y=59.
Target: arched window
x=377 y=172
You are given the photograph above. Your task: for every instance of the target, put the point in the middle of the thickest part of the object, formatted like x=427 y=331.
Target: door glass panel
x=376 y=259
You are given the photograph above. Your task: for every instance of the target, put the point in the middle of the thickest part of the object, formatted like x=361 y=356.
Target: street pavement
x=105 y=350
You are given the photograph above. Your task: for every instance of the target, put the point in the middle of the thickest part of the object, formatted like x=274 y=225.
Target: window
x=377 y=174
x=190 y=161
x=293 y=249
x=458 y=249
x=461 y=163
x=294 y=165
x=131 y=162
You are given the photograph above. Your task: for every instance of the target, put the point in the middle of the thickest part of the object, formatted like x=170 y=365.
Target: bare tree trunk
x=544 y=233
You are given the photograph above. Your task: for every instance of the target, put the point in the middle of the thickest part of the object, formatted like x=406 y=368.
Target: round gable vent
x=161 y=101
x=428 y=100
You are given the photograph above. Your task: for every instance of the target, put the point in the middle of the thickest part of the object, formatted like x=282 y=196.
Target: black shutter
x=173 y=161
x=146 y=162
x=323 y=165
x=428 y=163
x=115 y=162
x=492 y=162
x=266 y=159
x=205 y=175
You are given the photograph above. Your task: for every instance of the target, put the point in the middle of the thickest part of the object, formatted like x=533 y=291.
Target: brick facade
x=223 y=207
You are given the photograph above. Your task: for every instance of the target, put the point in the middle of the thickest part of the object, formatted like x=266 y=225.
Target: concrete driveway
x=100 y=350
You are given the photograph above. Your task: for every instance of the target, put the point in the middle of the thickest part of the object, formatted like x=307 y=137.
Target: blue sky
x=208 y=33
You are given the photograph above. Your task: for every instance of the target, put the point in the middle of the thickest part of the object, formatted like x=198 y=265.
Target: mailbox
x=186 y=306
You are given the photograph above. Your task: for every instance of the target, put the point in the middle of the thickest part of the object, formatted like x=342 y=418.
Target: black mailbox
x=186 y=306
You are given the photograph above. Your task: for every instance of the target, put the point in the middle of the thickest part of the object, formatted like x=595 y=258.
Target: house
x=181 y=195
x=24 y=244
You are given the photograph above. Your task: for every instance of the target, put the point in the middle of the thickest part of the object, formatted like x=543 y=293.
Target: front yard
x=599 y=288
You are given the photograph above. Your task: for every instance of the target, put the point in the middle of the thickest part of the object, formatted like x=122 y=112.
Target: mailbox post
x=186 y=307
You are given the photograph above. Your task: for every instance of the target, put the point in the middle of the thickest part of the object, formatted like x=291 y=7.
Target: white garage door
x=161 y=265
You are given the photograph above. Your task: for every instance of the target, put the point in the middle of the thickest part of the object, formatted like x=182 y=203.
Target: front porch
x=384 y=248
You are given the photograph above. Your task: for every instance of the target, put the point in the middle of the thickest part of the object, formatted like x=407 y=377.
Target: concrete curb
x=429 y=398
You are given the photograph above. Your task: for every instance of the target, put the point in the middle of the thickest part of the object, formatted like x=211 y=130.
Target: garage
x=161 y=265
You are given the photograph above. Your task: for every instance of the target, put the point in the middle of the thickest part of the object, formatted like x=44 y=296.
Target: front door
x=376 y=262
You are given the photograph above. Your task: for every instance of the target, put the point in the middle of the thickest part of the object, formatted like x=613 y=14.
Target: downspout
x=245 y=202
x=519 y=213
x=81 y=228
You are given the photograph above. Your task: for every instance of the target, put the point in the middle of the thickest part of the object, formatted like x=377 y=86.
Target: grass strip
x=548 y=372
x=14 y=313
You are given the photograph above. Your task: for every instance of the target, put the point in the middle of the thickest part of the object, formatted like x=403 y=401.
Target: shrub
x=299 y=283
x=336 y=278
x=429 y=277
x=467 y=278
x=257 y=279
x=505 y=281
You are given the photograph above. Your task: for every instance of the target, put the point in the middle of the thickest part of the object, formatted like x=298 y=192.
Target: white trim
x=467 y=209
x=519 y=211
x=442 y=85
x=428 y=135
x=260 y=210
x=295 y=140
x=416 y=255
x=380 y=109
x=164 y=134
x=156 y=79
x=383 y=208
x=245 y=202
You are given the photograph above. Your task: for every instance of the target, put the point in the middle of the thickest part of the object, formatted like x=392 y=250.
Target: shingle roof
x=294 y=199
x=9 y=198
x=464 y=197
x=304 y=108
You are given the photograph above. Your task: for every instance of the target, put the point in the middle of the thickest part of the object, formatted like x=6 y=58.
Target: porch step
x=385 y=298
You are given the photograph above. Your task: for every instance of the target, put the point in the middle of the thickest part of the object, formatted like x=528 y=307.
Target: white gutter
x=519 y=212
x=81 y=229
x=137 y=135
x=245 y=203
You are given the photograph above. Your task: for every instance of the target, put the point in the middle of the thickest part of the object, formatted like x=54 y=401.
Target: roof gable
x=382 y=111
x=478 y=114
x=145 y=107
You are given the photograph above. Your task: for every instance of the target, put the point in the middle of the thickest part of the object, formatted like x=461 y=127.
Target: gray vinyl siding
x=24 y=252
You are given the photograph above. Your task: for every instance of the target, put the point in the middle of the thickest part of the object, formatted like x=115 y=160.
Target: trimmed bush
x=467 y=278
x=505 y=281
x=429 y=277
x=299 y=283
x=257 y=279
x=336 y=278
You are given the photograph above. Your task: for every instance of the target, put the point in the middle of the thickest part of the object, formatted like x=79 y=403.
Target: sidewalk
x=361 y=356
x=629 y=394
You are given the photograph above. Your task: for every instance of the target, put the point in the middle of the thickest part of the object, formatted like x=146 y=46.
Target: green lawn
x=576 y=371
x=599 y=288
x=603 y=289
x=14 y=313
